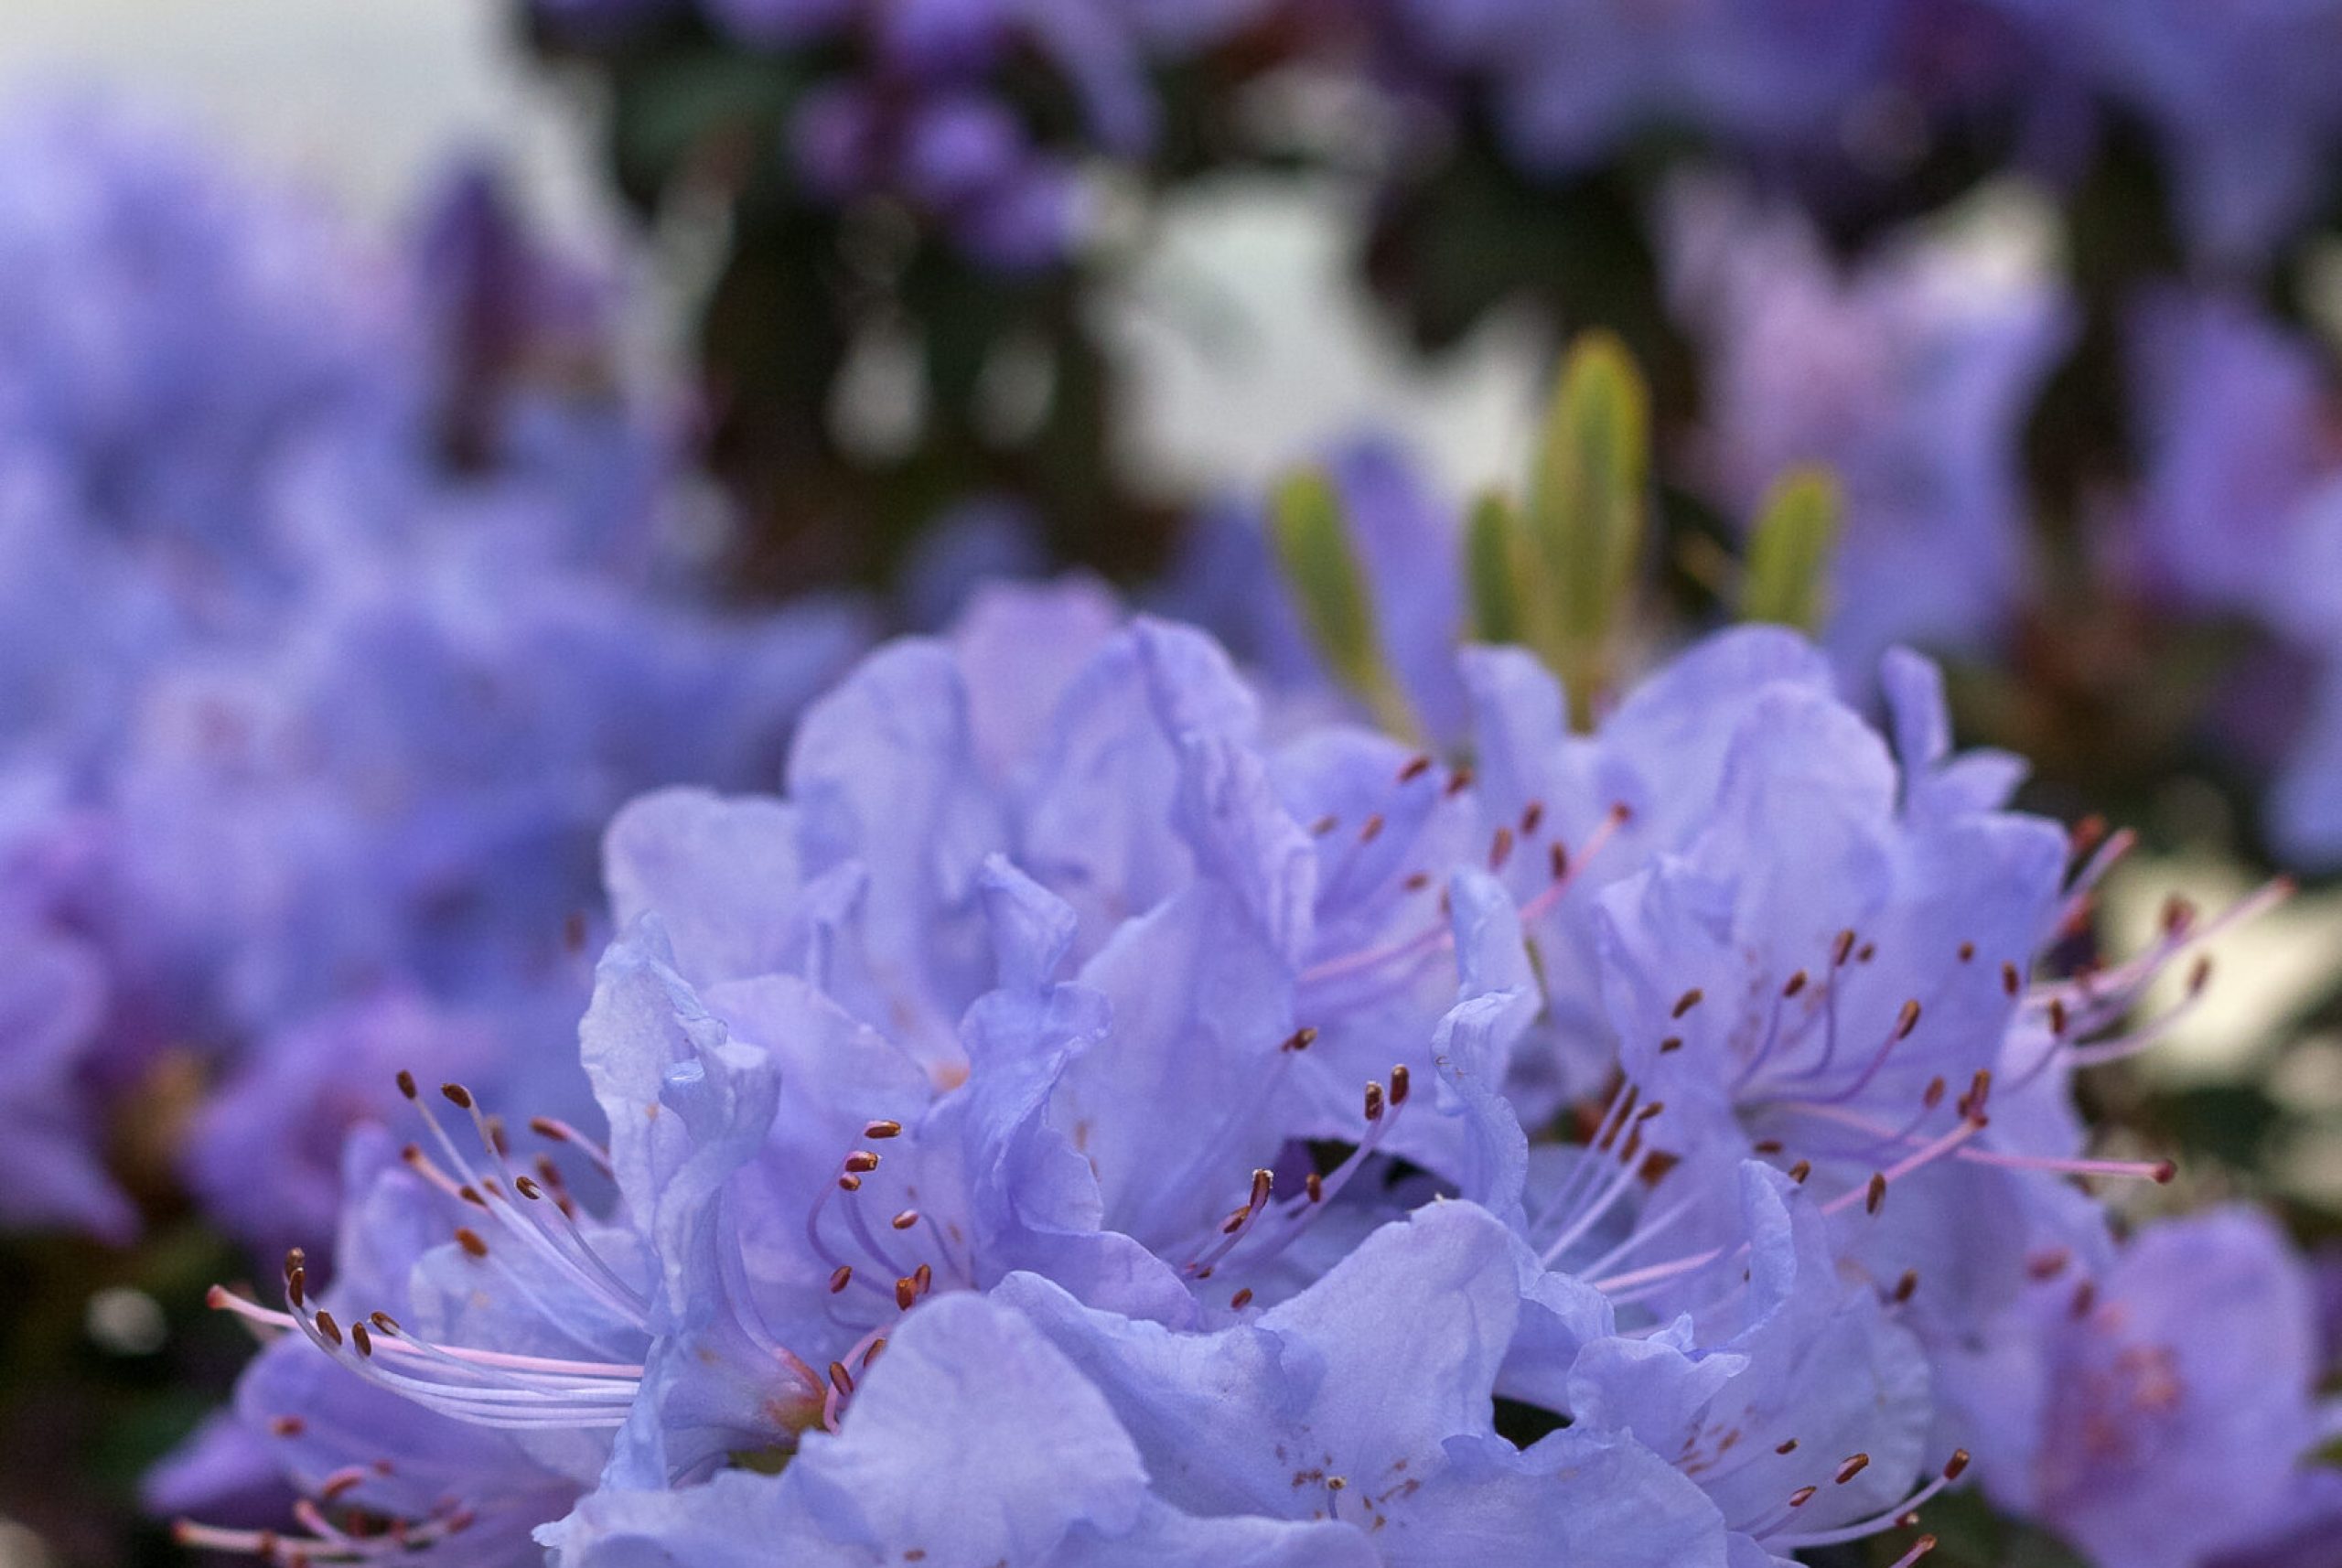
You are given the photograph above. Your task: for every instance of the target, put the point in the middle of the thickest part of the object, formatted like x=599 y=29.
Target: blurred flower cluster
x=783 y=962
x=338 y=621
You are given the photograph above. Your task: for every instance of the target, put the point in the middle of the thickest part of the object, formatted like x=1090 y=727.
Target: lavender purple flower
x=1061 y=1043
x=346 y=621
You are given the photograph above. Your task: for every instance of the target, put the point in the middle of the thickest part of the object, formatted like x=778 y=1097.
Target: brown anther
x=1301 y=1040
x=383 y=1322
x=527 y=1188
x=1459 y=781
x=925 y=1275
x=1796 y=983
x=1242 y=1298
x=1610 y=1132
x=861 y=1160
x=1799 y=1171
x=471 y=1195
x=840 y=1277
x=1416 y=767
x=840 y=1379
x=1968 y=952
x=468 y=1240
x=1954 y=1467
x=882 y=1129
x=457 y=1095
x=1906 y=1287
x=1325 y=825
x=1765 y=1146
x=406 y=1083
x=2057 y=1019
x=2200 y=974
x=2088 y=834
x=335 y=1486
x=1371 y=829
x=1855 y=1466
x=1840 y=948
x=1532 y=816
x=1907 y=1020
x=1673 y=1043
x=849 y=1183
x=2178 y=914
x=2164 y=1172
x=2010 y=982
x=1235 y=1221
x=1373 y=1100
x=876 y=1347
x=1866 y=952
x=906 y=1219
x=1934 y=1095
x=2085 y=1298
x=1416 y=881
x=1499 y=849
x=1402 y=1083
x=1315 y=1185
x=1877 y=1195
x=1263 y=1183
x=2044 y=1266
x=1557 y=861
x=1803 y=1496
x=544 y=1127
x=1921 y=1547
x=1686 y=1001
x=906 y=1293
x=1979 y=1090
x=327 y=1326
x=1648 y=1112
x=288 y=1426
x=361 y=1339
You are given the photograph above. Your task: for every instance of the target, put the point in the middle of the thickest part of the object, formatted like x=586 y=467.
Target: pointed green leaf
x=1789 y=551
x=1588 y=505
x=1313 y=544
x=1496 y=548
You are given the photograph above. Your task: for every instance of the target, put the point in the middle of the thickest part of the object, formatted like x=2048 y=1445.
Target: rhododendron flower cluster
x=337 y=616
x=1089 y=1117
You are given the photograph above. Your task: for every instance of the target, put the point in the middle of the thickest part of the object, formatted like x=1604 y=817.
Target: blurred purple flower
x=1911 y=377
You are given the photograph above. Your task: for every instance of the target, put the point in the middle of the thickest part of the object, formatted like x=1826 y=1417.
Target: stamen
x=1902 y=1513
x=560 y=1131
x=1499 y=849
